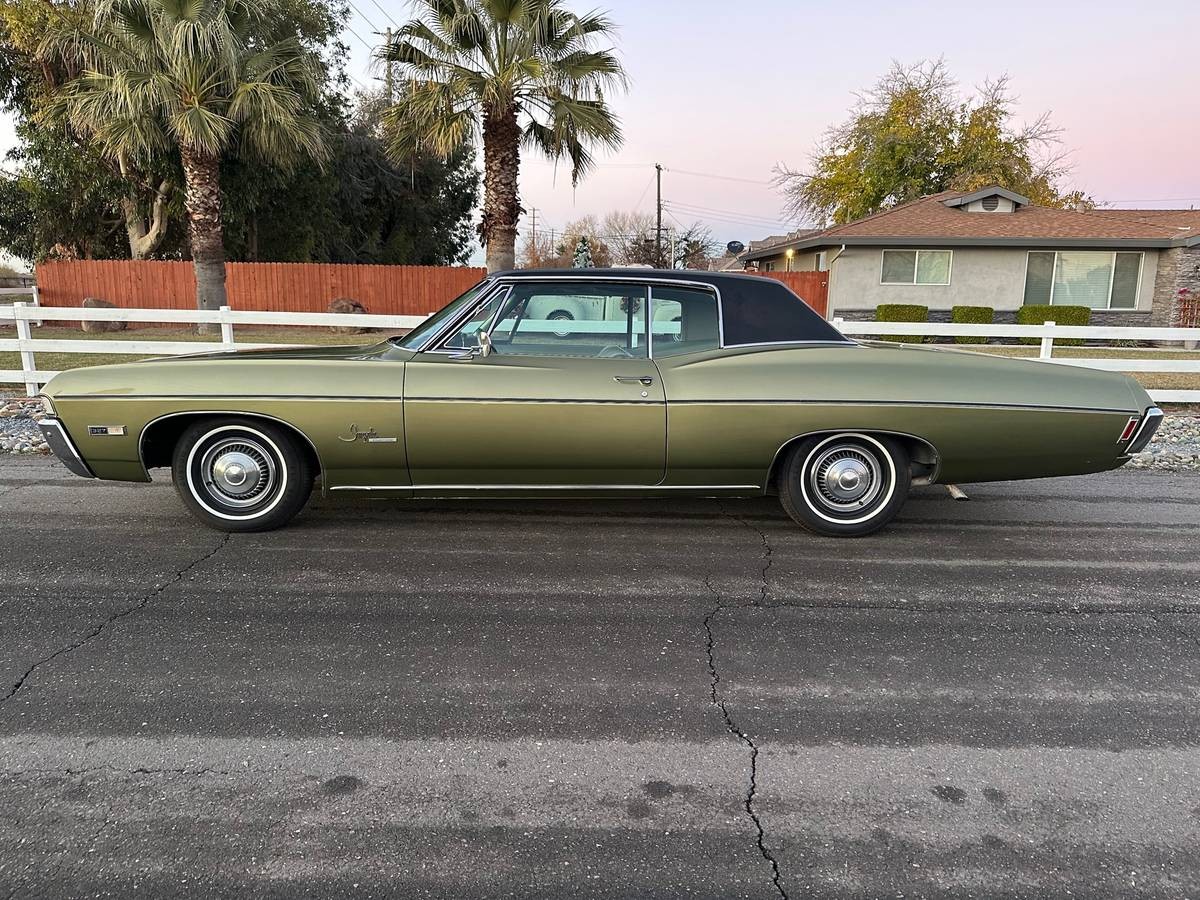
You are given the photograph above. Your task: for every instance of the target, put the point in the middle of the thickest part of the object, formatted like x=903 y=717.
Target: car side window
x=586 y=319
x=466 y=336
x=685 y=320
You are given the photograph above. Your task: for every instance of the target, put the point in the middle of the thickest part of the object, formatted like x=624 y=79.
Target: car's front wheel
x=242 y=476
x=845 y=485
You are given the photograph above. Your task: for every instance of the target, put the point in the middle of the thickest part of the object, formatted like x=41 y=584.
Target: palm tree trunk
x=203 y=175
x=501 y=200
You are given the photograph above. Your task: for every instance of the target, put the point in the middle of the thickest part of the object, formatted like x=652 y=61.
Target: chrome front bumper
x=64 y=448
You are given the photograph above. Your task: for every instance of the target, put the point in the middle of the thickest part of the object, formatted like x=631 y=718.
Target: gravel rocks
x=18 y=432
x=1176 y=447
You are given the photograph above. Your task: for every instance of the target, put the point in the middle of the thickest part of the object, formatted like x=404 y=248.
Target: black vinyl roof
x=755 y=309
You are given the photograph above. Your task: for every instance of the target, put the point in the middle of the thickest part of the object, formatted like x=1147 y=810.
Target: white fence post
x=1047 y=343
x=28 y=365
x=227 y=329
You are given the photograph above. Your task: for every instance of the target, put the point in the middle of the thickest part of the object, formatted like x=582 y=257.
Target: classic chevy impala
x=677 y=383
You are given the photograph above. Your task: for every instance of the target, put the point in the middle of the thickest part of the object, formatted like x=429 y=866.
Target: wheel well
x=157 y=445
x=923 y=456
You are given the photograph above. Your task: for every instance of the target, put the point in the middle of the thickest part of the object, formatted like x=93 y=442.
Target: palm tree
x=514 y=72
x=204 y=76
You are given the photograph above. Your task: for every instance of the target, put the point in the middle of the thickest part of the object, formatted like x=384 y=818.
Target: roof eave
x=1030 y=242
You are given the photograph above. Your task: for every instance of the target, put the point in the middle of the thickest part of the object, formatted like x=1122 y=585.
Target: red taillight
x=1130 y=429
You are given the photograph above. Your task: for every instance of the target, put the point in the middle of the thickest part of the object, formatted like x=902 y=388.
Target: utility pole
x=390 y=78
x=535 y=258
x=658 y=243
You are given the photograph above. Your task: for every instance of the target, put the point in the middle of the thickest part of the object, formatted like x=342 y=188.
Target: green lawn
x=57 y=362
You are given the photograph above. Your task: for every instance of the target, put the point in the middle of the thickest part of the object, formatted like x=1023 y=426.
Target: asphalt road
x=998 y=698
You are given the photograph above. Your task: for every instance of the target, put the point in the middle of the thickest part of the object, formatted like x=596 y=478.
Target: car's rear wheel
x=239 y=475
x=845 y=485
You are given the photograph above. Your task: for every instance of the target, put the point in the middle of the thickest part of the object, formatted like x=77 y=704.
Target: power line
x=386 y=13
x=719 y=177
x=362 y=16
x=730 y=216
x=1155 y=200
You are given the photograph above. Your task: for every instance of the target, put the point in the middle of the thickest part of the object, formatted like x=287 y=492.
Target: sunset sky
x=733 y=89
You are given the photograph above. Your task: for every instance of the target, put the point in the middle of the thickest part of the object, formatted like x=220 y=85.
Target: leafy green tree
x=510 y=72
x=205 y=77
x=912 y=135
x=360 y=208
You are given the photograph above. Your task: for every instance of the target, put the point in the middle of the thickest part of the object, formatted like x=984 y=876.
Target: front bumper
x=64 y=448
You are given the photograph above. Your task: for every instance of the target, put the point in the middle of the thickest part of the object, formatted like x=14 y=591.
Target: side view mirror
x=485 y=343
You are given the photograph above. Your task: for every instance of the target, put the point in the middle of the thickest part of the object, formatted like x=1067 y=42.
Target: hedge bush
x=972 y=315
x=1040 y=314
x=901 y=312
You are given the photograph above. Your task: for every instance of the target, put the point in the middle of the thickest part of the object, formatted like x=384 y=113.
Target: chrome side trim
x=915 y=403
x=520 y=400
x=552 y=487
x=64 y=448
x=1146 y=431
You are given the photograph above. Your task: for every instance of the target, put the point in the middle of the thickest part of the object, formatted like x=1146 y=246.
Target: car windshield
x=416 y=338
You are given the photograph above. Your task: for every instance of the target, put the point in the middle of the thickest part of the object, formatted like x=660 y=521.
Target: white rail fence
x=28 y=345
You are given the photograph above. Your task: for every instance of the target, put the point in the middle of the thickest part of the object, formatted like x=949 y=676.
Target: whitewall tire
x=845 y=485
x=242 y=475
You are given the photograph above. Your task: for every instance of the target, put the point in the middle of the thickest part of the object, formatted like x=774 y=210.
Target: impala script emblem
x=369 y=436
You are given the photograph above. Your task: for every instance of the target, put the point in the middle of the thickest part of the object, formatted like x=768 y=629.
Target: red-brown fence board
x=813 y=287
x=272 y=287
x=299 y=287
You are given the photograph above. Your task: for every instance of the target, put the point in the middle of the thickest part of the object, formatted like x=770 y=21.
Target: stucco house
x=995 y=248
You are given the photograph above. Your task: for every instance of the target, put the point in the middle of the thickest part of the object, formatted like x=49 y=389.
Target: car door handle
x=645 y=380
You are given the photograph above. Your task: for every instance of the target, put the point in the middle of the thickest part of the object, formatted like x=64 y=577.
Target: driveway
x=685 y=699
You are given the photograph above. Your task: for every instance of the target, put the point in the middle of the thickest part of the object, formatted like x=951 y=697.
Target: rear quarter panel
x=989 y=419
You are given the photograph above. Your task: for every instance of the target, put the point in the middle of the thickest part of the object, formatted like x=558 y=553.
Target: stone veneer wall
x=1178 y=268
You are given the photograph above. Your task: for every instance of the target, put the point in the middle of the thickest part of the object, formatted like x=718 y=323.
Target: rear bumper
x=1146 y=431
x=64 y=448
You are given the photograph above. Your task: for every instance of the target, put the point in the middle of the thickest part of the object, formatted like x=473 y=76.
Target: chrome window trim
x=510 y=281
x=845 y=342
x=440 y=335
x=488 y=297
x=647 y=282
x=708 y=288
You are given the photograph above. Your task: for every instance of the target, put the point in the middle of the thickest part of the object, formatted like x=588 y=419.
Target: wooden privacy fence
x=266 y=287
x=813 y=287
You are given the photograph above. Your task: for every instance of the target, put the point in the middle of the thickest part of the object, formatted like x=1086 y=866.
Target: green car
x=681 y=383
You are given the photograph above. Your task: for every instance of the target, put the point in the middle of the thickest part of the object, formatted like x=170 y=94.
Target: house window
x=1100 y=279
x=916 y=267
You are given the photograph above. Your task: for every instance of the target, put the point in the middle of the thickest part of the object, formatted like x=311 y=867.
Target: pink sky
x=733 y=89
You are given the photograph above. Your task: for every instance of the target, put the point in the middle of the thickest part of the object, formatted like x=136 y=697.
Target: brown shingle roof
x=929 y=219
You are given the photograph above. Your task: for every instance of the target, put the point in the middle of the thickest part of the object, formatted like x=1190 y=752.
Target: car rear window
x=763 y=311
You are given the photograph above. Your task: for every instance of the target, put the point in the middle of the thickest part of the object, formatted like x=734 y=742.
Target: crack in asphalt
x=141 y=604
x=719 y=702
x=768 y=553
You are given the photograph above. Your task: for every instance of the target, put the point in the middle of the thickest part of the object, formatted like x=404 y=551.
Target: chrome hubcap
x=846 y=477
x=238 y=471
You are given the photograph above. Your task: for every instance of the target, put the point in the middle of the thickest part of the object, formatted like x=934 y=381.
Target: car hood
x=358 y=351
